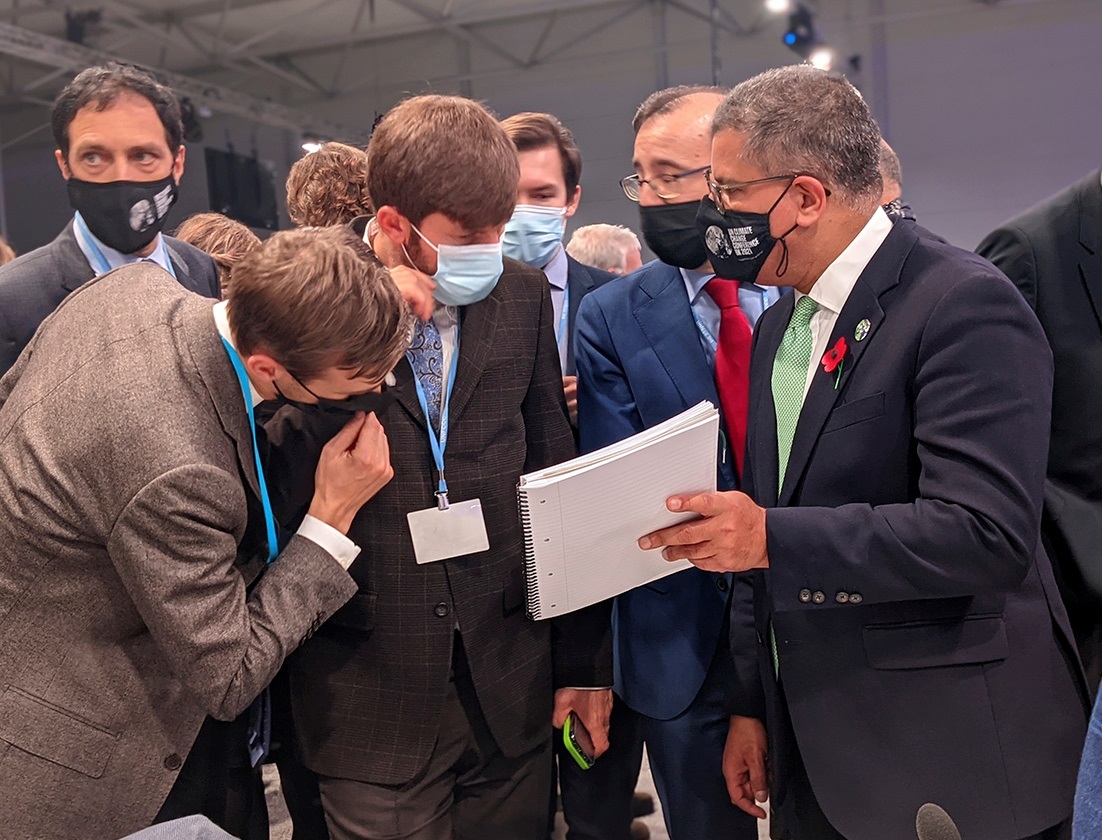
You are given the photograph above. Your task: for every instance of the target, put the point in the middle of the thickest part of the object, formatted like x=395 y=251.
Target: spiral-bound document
x=583 y=518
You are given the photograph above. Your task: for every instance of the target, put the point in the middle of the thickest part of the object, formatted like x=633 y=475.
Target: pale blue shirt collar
x=695 y=281
x=96 y=252
x=556 y=270
x=222 y=322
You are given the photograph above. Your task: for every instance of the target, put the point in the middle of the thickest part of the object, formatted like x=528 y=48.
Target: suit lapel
x=477 y=325
x=183 y=272
x=72 y=266
x=763 y=418
x=579 y=283
x=221 y=382
x=1090 y=233
x=406 y=392
x=666 y=319
x=881 y=274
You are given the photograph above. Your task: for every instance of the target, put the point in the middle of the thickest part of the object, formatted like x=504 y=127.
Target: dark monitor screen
x=241 y=188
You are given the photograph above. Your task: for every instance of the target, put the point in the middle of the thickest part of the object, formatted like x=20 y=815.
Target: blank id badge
x=456 y=530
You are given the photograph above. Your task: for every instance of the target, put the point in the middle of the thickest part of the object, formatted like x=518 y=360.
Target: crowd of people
x=221 y=460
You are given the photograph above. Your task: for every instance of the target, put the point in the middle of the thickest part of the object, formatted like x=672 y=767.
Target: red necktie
x=732 y=363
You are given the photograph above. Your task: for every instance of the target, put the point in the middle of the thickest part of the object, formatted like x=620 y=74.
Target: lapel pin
x=862 y=330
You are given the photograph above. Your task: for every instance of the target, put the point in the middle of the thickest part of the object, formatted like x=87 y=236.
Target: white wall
x=991 y=108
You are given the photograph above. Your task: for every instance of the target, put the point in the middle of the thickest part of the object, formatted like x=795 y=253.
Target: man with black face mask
x=649 y=346
x=119 y=147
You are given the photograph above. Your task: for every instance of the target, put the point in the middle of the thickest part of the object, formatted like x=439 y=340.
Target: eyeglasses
x=721 y=193
x=663 y=186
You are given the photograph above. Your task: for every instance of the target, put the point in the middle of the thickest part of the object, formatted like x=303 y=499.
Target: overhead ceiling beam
x=55 y=52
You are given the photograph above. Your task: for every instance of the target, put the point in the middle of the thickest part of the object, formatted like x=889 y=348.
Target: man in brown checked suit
x=426 y=704
x=133 y=527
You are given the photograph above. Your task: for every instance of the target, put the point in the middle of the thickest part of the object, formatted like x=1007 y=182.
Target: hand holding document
x=583 y=518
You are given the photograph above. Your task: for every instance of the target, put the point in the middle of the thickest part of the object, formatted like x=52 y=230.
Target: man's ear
x=812 y=199
x=262 y=367
x=572 y=204
x=62 y=164
x=178 y=164
x=393 y=225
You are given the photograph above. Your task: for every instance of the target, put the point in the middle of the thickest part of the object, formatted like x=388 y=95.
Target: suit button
x=818 y=597
x=722 y=584
x=805 y=596
x=842 y=597
x=442 y=610
x=855 y=598
x=173 y=762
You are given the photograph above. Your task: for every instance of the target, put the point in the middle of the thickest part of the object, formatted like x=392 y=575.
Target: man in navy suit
x=910 y=641
x=547 y=195
x=646 y=348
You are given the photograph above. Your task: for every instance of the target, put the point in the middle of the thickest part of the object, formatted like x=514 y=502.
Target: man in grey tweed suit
x=132 y=534
x=426 y=704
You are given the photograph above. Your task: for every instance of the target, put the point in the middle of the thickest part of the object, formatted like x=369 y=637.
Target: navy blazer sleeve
x=981 y=399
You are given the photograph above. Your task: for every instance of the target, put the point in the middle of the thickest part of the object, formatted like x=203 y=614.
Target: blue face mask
x=465 y=274
x=534 y=234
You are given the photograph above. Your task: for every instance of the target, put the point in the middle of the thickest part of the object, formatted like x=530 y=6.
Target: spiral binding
x=531 y=576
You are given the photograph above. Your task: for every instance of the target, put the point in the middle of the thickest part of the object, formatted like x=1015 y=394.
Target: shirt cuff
x=589 y=687
x=342 y=549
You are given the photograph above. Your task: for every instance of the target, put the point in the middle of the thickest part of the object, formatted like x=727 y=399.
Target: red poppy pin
x=834 y=359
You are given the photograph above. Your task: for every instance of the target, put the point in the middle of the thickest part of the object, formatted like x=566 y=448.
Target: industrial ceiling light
x=778 y=7
x=800 y=37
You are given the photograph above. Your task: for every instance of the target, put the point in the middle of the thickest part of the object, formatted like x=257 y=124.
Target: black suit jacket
x=924 y=652
x=33 y=285
x=1053 y=254
x=581 y=279
x=368 y=690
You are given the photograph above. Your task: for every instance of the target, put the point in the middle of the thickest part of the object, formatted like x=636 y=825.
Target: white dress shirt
x=832 y=289
x=342 y=549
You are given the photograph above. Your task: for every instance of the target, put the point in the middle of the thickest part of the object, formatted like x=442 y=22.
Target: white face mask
x=534 y=233
x=465 y=274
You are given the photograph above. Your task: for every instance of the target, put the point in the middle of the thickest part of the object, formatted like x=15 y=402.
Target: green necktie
x=789 y=376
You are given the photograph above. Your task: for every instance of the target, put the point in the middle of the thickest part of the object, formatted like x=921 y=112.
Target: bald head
x=891 y=172
x=671 y=99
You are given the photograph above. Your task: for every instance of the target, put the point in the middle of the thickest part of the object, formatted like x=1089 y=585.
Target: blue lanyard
x=439 y=444
x=104 y=266
x=564 y=316
x=269 y=517
x=705 y=333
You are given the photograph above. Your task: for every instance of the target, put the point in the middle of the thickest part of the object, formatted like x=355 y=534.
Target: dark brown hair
x=328 y=187
x=443 y=154
x=317 y=298
x=530 y=131
x=100 y=87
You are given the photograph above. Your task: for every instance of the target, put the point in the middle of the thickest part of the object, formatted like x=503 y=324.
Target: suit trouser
x=218 y=782
x=469 y=790
x=686 y=760
x=297 y=782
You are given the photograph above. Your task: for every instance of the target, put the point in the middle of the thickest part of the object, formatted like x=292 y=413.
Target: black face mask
x=670 y=231
x=738 y=244
x=367 y=403
x=124 y=215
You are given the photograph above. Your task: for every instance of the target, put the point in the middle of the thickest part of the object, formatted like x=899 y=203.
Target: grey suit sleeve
x=1011 y=252
x=174 y=547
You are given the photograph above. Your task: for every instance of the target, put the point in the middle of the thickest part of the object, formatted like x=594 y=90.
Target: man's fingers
x=345 y=439
x=697 y=553
x=758 y=783
x=686 y=533
x=706 y=504
x=743 y=802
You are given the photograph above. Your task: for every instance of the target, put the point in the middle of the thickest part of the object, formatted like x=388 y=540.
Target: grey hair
x=799 y=119
x=890 y=167
x=603 y=246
